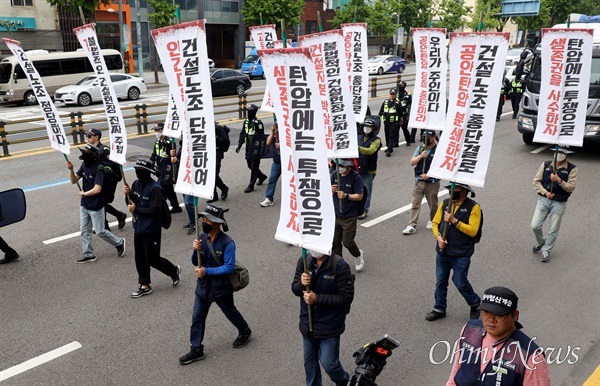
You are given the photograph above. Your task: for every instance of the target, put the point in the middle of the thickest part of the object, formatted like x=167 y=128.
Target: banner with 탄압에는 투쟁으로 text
x=476 y=75
x=327 y=53
x=428 y=108
x=117 y=131
x=264 y=37
x=197 y=170
x=307 y=217
x=357 y=57
x=566 y=71
x=54 y=127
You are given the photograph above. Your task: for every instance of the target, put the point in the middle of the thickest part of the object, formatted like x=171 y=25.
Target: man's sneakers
x=429 y=225
x=176 y=209
x=434 y=315
x=409 y=230
x=266 y=202
x=242 y=339
x=363 y=215
x=86 y=259
x=141 y=291
x=121 y=220
x=359 y=262
x=192 y=356
x=474 y=313
x=544 y=258
x=121 y=248
x=191 y=230
x=9 y=258
x=176 y=277
x=536 y=248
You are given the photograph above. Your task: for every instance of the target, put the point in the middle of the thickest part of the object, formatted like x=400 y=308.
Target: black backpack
x=222 y=131
x=109 y=186
x=165 y=215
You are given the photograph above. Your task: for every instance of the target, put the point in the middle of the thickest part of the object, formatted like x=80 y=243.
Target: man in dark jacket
x=504 y=93
x=369 y=145
x=252 y=127
x=390 y=117
x=405 y=100
x=222 y=144
x=161 y=157
x=331 y=291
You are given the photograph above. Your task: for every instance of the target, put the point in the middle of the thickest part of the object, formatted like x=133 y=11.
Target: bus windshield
x=5 y=72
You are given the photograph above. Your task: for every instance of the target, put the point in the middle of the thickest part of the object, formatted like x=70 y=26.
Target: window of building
x=311 y=27
x=22 y=3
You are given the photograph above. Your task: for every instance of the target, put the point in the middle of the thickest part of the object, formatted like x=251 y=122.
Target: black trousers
x=255 y=173
x=392 y=131
x=109 y=209
x=500 y=105
x=218 y=181
x=8 y=251
x=515 y=100
x=169 y=193
x=407 y=134
x=147 y=254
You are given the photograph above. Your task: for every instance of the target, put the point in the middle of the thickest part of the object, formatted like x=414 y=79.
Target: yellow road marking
x=594 y=379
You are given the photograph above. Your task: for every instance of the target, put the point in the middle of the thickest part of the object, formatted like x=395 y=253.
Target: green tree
x=272 y=12
x=490 y=10
x=87 y=6
x=451 y=14
x=414 y=14
x=163 y=16
x=382 y=20
x=347 y=13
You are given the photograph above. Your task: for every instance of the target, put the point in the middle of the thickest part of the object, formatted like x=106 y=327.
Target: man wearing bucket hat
x=214 y=259
x=252 y=126
x=554 y=183
x=146 y=209
x=462 y=217
x=494 y=351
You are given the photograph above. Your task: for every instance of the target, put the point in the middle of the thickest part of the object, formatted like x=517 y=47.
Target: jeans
x=147 y=254
x=188 y=201
x=460 y=265
x=94 y=218
x=430 y=191
x=544 y=208
x=273 y=178
x=368 y=182
x=201 y=307
x=326 y=351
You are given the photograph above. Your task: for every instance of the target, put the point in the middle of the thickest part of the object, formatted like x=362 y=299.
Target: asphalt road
x=48 y=301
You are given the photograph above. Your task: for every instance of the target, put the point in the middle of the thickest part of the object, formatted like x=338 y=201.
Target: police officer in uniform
x=390 y=116
x=516 y=93
x=252 y=126
x=161 y=157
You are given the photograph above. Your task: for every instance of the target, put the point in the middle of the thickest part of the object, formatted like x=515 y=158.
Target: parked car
x=386 y=63
x=224 y=81
x=252 y=66
x=513 y=55
x=87 y=90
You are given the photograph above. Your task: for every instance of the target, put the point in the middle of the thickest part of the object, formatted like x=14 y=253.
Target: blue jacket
x=216 y=281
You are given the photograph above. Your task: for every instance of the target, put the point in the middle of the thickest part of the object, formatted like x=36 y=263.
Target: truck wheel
x=528 y=138
x=29 y=99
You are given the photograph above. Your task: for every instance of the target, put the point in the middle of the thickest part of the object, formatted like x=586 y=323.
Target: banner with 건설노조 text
x=357 y=56
x=476 y=75
x=566 y=70
x=307 y=217
x=328 y=55
x=428 y=108
x=54 y=126
x=117 y=131
x=264 y=37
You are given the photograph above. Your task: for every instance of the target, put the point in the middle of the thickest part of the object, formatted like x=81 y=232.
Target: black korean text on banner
x=54 y=127
x=476 y=73
x=264 y=37
x=566 y=71
x=355 y=47
x=307 y=218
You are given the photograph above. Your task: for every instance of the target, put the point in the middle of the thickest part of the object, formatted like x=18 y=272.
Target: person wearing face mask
x=91 y=211
x=554 y=184
x=161 y=158
x=331 y=292
x=390 y=116
x=347 y=194
x=424 y=185
x=145 y=207
x=214 y=259
x=252 y=127
x=367 y=161
x=405 y=100
x=462 y=218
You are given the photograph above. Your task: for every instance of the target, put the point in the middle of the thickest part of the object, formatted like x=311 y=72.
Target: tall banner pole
x=451 y=205
x=67 y=159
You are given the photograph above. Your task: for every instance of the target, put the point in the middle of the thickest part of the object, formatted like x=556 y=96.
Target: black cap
x=145 y=163
x=159 y=126
x=369 y=122
x=214 y=213
x=95 y=132
x=499 y=301
x=429 y=133
x=393 y=91
x=563 y=149
x=89 y=148
x=252 y=107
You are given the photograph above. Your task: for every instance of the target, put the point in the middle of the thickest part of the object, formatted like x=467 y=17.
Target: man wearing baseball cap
x=252 y=127
x=494 y=351
x=390 y=116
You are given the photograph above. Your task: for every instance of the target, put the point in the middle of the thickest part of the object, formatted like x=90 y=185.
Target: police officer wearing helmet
x=390 y=113
x=161 y=157
x=367 y=161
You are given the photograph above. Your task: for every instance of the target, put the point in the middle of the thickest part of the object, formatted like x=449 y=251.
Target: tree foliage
x=164 y=13
x=347 y=12
x=272 y=12
x=414 y=14
x=490 y=10
x=452 y=14
x=381 y=20
x=87 y=6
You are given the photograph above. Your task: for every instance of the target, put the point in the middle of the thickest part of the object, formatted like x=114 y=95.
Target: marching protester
x=331 y=291
x=252 y=126
x=516 y=93
x=92 y=203
x=390 y=113
x=347 y=194
x=93 y=138
x=494 y=351
x=145 y=207
x=405 y=100
x=273 y=139
x=161 y=158
x=424 y=185
x=214 y=258
x=554 y=184
x=463 y=219
x=9 y=253
x=367 y=160
x=504 y=93
x=222 y=143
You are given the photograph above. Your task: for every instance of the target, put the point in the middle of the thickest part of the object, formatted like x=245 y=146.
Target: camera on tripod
x=370 y=360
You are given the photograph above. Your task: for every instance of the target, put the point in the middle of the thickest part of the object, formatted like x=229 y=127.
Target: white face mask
x=315 y=254
x=560 y=157
x=342 y=169
x=157 y=134
x=367 y=130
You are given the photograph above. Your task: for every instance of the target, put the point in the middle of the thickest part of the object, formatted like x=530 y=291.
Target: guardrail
x=78 y=122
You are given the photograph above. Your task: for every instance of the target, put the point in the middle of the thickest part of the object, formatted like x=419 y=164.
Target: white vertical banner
x=266 y=104
x=167 y=45
x=54 y=127
x=264 y=37
x=428 y=109
x=307 y=217
x=198 y=160
x=357 y=56
x=566 y=69
x=328 y=55
x=86 y=34
x=476 y=72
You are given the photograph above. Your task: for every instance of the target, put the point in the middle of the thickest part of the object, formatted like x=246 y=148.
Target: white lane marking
x=39 y=360
x=396 y=212
x=541 y=149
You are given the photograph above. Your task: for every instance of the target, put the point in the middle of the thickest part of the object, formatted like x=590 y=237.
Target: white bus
x=57 y=69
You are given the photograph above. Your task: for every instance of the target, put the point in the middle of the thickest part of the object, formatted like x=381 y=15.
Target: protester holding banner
x=145 y=206
x=554 y=183
x=213 y=284
x=516 y=93
x=331 y=291
x=92 y=203
x=424 y=185
x=347 y=195
x=390 y=113
x=369 y=147
x=161 y=158
x=9 y=253
x=405 y=100
x=252 y=126
x=462 y=217
x=273 y=139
